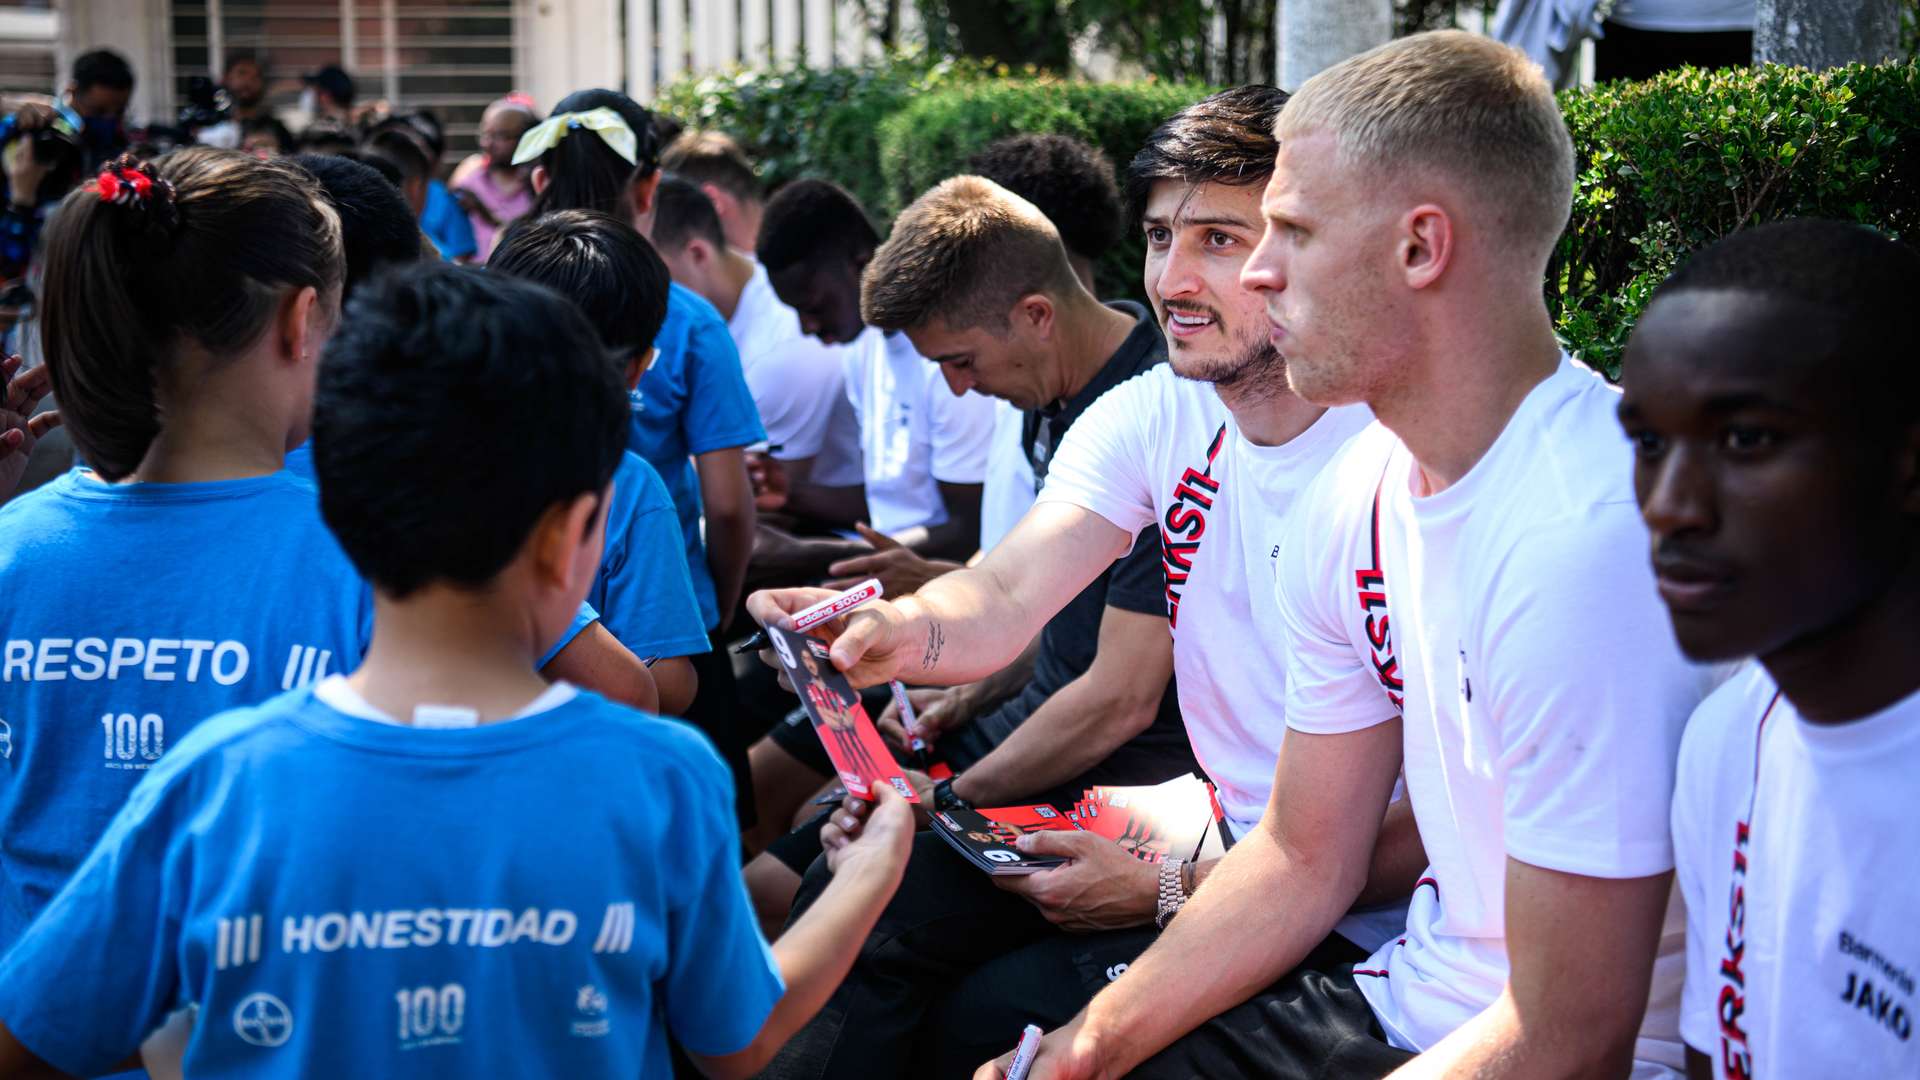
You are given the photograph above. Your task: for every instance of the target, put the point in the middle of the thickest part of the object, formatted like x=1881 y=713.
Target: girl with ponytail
x=181 y=571
x=693 y=414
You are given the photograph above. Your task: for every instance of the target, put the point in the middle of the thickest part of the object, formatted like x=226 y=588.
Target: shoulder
x=1567 y=457
x=236 y=741
x=1342 y=494
x=1724 y=727
x=686 y=304
x=668 y=755
x=1156 y=397
x=636 y=480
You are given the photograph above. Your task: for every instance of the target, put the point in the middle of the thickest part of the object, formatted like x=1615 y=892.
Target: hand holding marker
x=834 y=607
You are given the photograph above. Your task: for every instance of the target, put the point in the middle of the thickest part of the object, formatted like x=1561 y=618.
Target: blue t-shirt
x=545 y=896
x=131 y=612
x=643 y=592
x=693 y=400
x=446 y=224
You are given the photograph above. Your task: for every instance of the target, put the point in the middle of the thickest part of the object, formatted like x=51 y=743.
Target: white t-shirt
x=1543 y=692
x=915 y=434
x=1008 y=493
x=799 y=385
x=1684 y=16
x=1162 y=450
x=1815 y=910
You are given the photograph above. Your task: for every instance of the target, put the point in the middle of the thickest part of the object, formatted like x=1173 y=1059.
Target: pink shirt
x=503 y=206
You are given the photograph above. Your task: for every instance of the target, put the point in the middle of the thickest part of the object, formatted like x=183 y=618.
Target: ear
x=1035 y=311
x=641 y=192
x=1426 y=245
x=700 y=252
x=637 y=366
x=541 y=178
x=724 y=204
x=565 y=544
x=299 y=324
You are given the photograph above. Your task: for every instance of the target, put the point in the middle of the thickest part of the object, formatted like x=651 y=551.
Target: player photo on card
x=858 y=753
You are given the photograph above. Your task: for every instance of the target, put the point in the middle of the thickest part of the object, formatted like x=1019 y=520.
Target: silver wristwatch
x=1172 y=891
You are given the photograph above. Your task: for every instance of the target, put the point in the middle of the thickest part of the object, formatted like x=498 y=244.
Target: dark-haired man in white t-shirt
x=1542 y=701
x=1774 y=409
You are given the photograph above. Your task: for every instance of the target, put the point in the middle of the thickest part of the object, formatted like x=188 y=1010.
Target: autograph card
x=859 y=755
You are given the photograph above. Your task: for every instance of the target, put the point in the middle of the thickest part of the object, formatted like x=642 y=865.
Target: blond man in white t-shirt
x=1775 y=413
x=1418 y=191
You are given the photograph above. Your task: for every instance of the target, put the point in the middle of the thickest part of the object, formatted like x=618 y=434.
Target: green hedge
x=1668 y=165
x=1664 y=166
x=931 y=138
x=796 y=121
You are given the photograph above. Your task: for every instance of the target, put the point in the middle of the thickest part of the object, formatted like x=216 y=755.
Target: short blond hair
x=964 y=253
x=1454 y=103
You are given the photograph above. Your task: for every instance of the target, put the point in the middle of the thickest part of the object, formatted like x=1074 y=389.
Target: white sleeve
x=1332 y=688
x=1699 y=1005
x=1103 y=464
x=962 y=431
x=797 y=403
x=1589 y=693
x=853 y=370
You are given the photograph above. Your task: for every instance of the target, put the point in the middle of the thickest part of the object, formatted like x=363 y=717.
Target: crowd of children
x=367 y=694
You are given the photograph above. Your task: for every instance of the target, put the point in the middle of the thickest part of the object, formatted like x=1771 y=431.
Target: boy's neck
x=447 y=646
x=1860 y=666
x=733 y=273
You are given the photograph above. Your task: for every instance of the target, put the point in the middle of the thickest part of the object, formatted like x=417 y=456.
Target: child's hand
x=876 y=837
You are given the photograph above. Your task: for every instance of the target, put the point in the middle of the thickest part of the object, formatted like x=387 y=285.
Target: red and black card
x=859 y=755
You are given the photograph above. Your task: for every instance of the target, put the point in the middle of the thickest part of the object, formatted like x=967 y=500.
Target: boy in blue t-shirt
x=440 y=865
x=643 y=592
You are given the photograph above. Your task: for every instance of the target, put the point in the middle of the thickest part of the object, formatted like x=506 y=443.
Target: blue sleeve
x=645 y=593
x=448 y=225
x=97 y=972
x=720 y=413
x=722 y=980
x=582 y=619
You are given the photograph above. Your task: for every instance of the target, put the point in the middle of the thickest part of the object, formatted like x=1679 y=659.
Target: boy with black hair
x=1770 y=396
x=798 y=384
x=403 y=150
x=461 y=909
x=643 y=591
x=1071 y=182
x=376 y=228
x=924 y=445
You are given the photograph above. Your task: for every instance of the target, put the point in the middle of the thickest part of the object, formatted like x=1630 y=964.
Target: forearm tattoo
x=936 y=637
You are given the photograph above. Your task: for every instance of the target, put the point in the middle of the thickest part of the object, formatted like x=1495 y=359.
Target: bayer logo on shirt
x=263 y=1020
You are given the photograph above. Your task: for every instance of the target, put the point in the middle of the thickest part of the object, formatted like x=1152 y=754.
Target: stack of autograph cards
x=985 y=837
x=1178 y=818
x=859 y=755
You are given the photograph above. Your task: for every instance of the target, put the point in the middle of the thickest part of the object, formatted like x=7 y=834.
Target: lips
x=1186 y=324
x=1689 y=584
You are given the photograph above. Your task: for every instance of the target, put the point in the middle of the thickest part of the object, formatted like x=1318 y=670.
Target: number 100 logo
x=131 y=739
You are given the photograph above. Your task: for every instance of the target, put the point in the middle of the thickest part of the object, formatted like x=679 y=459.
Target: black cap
x=336 y=82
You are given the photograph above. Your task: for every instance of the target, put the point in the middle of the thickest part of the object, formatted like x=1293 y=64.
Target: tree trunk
x=1317 y=34
x=1826 y=33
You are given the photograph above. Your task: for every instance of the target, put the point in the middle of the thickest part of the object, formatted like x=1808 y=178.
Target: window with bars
x=27 y=47
x=449 y=56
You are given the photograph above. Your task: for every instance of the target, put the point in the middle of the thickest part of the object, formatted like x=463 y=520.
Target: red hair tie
x=125 y=187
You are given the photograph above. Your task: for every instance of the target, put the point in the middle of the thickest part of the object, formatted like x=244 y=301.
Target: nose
x=958 y=380
x=1178 y=275
x=1676 y=492
x=1265 y=268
